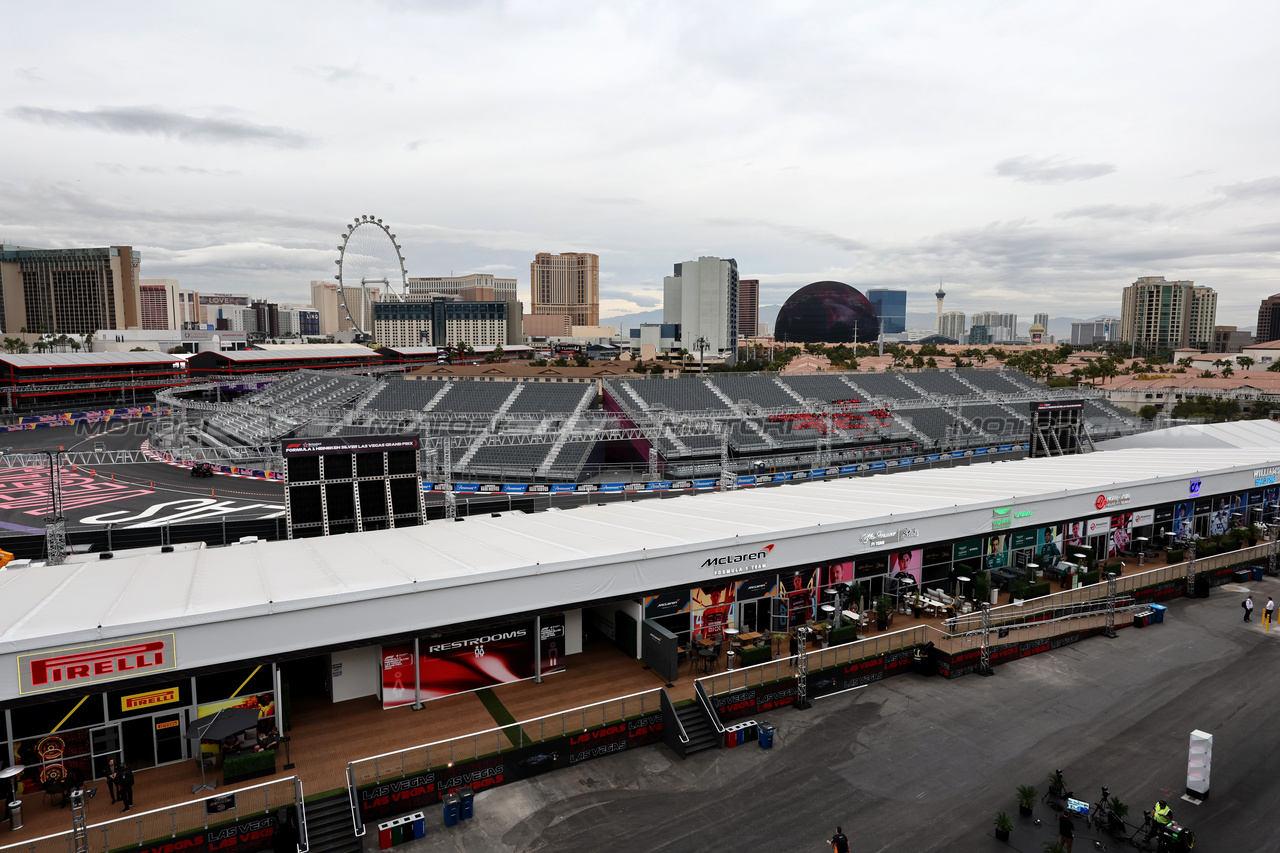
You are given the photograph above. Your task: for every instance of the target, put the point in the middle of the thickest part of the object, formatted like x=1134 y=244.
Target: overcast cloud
x=1034 y=157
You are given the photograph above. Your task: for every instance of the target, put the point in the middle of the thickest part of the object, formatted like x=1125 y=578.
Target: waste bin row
x=458 y=805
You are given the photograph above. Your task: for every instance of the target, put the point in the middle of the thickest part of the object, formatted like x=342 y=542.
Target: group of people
x=1268 y=611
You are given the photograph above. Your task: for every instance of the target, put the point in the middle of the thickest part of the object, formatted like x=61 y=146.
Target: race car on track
x=202 y=469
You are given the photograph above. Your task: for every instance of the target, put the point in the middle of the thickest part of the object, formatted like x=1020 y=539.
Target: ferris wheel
x=369 y=257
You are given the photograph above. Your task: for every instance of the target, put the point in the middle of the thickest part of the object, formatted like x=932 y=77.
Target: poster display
x=52 y=758
x=1074 y=534
x=996 y=551
x=459 y=663
x=1183 y=520
x=264 y=702
x=1049 y=541
x=905 y=567
x=1121 y=534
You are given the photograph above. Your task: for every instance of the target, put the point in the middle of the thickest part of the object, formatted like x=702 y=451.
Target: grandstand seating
x=935 y=423
x=550 y=397
x=678 y=395
x=885 y=386
x=994 y=381
x=825 y=388
x=404 y=395
x=760 y=391
x=518 y=460
x=940 y=383
x=469 y=397
x=995 y=421
x=1101 y=415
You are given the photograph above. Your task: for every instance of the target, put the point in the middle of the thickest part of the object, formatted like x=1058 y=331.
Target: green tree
x=1245 y=362
x=1148 y=412
x=580 y=360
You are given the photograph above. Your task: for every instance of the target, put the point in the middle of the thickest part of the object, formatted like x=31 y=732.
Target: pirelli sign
x=96 y=663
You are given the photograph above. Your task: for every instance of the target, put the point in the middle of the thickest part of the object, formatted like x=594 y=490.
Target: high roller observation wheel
x=369 y=256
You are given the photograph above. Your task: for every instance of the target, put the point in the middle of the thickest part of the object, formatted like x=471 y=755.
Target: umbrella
x=228 y=721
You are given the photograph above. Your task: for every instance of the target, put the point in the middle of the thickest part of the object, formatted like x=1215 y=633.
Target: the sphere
x=827 y=312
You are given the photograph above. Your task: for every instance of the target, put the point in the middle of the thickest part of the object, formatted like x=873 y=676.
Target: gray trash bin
x=15 y=815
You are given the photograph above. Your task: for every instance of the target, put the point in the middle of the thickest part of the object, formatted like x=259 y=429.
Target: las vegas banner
x=458 y=663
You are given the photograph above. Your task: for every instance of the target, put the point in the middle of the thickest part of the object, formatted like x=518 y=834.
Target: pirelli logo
x=139 y=701
x=95 y=663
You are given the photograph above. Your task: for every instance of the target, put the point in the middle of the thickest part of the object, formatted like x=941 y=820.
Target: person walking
x=839 y=843
x=1066 y=832
x=1268 y=614
x=1248 y=608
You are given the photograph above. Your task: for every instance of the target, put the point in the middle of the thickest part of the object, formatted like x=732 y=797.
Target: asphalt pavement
x=924 y=764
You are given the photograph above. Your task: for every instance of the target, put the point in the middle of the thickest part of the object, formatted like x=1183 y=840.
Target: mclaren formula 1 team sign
x=78 y=666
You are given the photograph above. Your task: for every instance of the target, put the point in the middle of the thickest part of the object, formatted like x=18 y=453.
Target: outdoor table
x=749 y=637
x=960 y=581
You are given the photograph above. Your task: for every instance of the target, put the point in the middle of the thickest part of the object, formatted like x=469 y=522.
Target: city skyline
x=1043 y=188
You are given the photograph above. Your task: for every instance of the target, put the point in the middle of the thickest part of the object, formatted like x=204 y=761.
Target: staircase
x=701 y=735
x=588 y=397
x=329 y=828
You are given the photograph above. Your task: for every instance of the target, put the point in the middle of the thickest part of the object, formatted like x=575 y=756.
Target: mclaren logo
x=731 y=559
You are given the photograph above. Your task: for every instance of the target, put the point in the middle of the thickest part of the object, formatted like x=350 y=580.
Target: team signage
x=351 y=444
x=139 y=701
x=877 y=538
x=1105 y=501
x=1262 y=477
x=738 y=561
x=1195 y=486
x=96 y=663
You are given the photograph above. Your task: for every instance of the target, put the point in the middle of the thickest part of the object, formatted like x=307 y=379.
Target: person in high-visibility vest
x=1162 y=814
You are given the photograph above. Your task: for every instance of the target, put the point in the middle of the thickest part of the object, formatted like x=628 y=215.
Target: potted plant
x=1118 y=808
x=982 y=587
x=884 y=613
x=1254 y=535
x=1026 y=799
x=1004 y=824
x=1057 y=785
x=1020 y=592
x=1053 y=847
x=856 y=594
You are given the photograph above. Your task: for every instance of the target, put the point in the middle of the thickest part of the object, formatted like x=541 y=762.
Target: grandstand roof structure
x=293 y=595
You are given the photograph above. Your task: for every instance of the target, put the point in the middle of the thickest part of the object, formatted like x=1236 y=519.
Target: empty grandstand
x=696 y=425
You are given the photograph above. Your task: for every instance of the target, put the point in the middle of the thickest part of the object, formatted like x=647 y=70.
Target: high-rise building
x=979 y=335
x=188 y=308
x=995 y=321
x=1168 y=315
x=568 y=283
x=334 y=318
x=891 y=310
x=1268 y=319
x=1042 y=319
x=211 y=304
x=158 y=303
x=952 y=325
x=467 y=287
x=446 y=321
x=1102 y=330
x=1230 y=339
x=748 y=307
x=702 y=296
x=75 y=291
x=267 y=318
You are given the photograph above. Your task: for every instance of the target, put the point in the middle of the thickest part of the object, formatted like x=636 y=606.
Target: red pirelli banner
x=96 y=663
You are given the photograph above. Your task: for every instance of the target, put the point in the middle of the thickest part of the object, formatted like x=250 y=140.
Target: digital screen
x=1077 y=806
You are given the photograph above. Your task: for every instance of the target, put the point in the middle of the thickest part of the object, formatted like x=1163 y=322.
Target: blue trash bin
x=766 y=735
x=1256 y=571
x=1157 y=613
x=466 y=802
x=450 y=809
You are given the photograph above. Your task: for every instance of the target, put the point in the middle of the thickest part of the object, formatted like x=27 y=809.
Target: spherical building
x=827 y=312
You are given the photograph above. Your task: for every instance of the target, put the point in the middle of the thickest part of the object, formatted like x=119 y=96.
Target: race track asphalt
x=923 y=764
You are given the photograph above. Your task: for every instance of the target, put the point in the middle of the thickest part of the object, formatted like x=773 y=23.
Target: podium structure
x=1198 y=759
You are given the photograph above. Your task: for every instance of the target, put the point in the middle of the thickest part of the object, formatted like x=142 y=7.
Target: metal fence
x=764 y=673
x=443 y=753
x=157 y=825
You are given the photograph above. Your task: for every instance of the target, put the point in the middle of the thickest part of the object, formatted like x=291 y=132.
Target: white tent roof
x=486 y=568
x=1236 y=434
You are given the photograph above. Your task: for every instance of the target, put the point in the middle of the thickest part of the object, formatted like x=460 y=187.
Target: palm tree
x=1244 y=361
x=1227 y=371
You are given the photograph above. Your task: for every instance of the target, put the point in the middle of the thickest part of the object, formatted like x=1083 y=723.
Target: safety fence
x=236 y=821
x=819 y=659
x=419 y=775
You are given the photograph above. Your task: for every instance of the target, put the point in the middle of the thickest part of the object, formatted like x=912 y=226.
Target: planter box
x=250 y=765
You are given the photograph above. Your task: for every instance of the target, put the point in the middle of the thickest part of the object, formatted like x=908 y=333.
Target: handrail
x=666 y=702
x=304 y=834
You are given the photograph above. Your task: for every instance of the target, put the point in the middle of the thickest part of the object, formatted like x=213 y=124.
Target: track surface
x=924 y=764
x=130 y=495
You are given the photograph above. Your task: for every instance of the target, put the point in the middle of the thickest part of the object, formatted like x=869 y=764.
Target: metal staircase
x=701 y=735
x=329 y=828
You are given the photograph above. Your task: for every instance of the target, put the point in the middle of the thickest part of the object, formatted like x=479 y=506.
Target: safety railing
x=224 y=809
x=764 y=673
x=450 y=751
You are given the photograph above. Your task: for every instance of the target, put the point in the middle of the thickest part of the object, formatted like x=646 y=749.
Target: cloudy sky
x=1033 y=156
